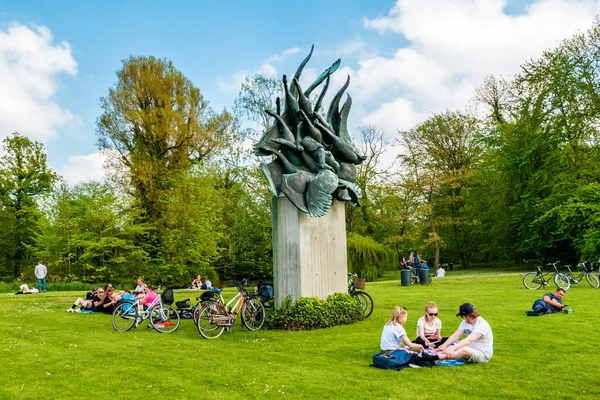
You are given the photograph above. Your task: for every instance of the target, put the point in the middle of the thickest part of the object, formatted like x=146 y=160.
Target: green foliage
x=309 y=313
x=24 y=175
x=367 y=258
x=159 y=124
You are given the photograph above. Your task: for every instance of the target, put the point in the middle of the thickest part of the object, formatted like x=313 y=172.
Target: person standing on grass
x=477 y=347
x=40 y=273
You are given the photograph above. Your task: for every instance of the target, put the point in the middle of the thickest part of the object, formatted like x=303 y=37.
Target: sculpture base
x=309 y=254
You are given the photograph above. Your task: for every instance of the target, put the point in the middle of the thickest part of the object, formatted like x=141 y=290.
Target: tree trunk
x=464 y=259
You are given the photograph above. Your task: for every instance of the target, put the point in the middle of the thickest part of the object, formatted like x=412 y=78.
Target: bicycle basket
x=358 y=283
x=167 y=297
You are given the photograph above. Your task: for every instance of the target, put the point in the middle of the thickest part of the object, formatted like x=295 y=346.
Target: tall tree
x=440 y=157
x=159 y=124
x=24 y=175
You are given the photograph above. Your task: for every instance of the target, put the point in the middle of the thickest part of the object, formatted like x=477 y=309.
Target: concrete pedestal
x=309 y=254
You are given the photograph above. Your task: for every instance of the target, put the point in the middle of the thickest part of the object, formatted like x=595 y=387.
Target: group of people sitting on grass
x=198 y=285
x=476 y=347
x=105 y=300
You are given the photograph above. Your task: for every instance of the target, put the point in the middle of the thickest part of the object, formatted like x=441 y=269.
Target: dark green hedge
x=313 y=313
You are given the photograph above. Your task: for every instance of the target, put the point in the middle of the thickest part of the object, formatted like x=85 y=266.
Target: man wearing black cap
x=478 y=346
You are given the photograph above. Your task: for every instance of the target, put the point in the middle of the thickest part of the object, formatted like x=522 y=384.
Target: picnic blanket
x=452 y=363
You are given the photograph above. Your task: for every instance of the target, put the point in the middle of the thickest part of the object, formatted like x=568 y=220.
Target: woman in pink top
x=429 y=328
x=150 y=296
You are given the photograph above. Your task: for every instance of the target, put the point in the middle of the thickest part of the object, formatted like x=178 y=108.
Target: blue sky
x=406 y=58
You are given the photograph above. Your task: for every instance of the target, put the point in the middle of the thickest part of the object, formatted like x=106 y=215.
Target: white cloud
x=30 y=63
x=232 y=83
x=281 y=56
x=267 y=69
x=84 y=168
x=399 y=114
x=452 y=45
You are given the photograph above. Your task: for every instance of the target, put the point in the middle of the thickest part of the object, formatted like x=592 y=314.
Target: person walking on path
x=40 y=273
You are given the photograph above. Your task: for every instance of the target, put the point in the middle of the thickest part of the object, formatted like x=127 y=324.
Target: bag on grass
x=397 y=359
x=183 y=303
x=186 y=314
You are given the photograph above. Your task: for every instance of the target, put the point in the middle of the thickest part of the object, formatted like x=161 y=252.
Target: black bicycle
x=586 y=271
x=364 y=299
x=537 y=279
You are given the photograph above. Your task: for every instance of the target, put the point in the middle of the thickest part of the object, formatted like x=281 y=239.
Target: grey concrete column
x=309 y=254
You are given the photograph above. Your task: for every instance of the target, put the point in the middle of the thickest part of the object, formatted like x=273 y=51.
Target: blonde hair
x=430 y=305
x=399 y=316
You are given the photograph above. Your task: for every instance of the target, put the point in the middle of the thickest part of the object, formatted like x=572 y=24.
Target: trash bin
x=424 y=276
x=405 y=277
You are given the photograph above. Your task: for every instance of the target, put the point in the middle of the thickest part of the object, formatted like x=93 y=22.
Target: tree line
x=512 y=179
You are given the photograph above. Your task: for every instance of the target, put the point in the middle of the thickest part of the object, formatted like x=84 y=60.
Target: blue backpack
x=129 y=299
x=397 y=359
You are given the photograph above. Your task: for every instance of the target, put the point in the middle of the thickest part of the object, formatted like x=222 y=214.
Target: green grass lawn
x=48 y=353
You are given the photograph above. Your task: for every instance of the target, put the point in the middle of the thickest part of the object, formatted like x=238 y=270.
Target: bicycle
x=164 y=318
x=537 y=279
x=364 y=299
x=218 y=315
x=586 y=270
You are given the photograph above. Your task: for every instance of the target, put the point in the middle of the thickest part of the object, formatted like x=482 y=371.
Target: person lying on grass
x=88 y=303
x=429 y=328
x=24 y=289
x=394 y=334
x=477 y=347
x=549 y=304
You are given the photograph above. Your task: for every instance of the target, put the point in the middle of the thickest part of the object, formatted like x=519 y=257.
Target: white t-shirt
x=391 y=337
x=485 y=343
x=40 y=271
x=429 y=329
x=440 y=273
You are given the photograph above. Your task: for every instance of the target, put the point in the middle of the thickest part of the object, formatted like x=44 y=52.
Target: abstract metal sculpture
x=315 y=159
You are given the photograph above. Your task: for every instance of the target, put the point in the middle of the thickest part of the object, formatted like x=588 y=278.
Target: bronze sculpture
x=315 y=159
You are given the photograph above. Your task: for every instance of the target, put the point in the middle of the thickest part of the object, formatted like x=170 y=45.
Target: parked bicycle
x=586 y=271
x=537 y=279
x=364 y=299
x=218 y=315
x=164 y=318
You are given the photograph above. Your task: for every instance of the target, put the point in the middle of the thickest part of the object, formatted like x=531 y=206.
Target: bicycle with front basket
x=164 y=318
x=363 y=298
x=537 y=279
x=217 y=315
x=586 y=271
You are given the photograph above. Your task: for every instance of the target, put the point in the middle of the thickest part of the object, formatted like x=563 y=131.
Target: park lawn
x=46 y=352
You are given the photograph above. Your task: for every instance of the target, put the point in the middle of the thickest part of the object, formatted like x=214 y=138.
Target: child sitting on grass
x=394 y=335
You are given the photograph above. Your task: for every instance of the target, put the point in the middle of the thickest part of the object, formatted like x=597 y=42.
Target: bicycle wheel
x=123 y=317
x=253 y=314
x=366 y=303
x=562 y=281
x=532 y=280
x=207 y=325
x=164 y=319
x=592 y=280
